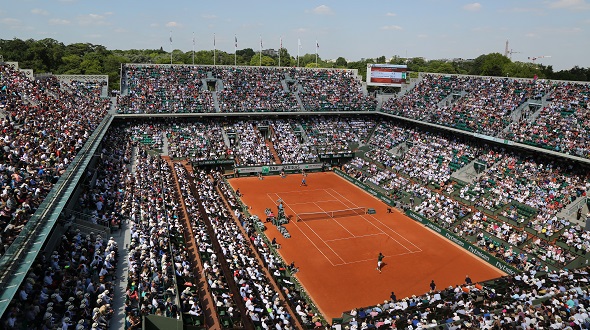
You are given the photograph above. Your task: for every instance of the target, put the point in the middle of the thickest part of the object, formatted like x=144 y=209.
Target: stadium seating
x=45 y=123
x=156 y=89
x=517 y=301
x=562 y=125
x=511 y=208
x=248 y=89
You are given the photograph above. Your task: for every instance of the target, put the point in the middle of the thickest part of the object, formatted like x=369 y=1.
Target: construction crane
x=533 y=59
x=508 y=52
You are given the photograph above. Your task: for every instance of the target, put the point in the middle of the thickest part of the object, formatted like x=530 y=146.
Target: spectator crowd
x=46 y=122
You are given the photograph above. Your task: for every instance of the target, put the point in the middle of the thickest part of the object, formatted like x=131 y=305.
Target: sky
x=555 y=32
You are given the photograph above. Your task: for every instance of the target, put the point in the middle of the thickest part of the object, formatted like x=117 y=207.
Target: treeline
x=49 y=55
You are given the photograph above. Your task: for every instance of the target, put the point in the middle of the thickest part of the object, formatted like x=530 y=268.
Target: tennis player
x=380 y=261
x=303 y=182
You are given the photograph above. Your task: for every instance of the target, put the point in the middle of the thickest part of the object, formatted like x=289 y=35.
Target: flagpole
x=170 y=46
x=260 y=51
x=316 y=53
x=280 y=48
x=298 y=47
x=214 y=49
x=193 y=48
x=236 y=50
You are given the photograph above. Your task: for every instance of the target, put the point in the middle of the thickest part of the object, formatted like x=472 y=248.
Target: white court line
x=336 y=222
x=298 y=191
x=304 y=234
x=405 y=239
x=345 y=238
x=362 y=216
x=329 y=200
x=372 y=259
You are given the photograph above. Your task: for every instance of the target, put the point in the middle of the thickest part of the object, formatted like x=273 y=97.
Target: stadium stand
x=201 y=140
x=516 y=208
x=556 y=300
x=249 y=146
x=198 y=89
x=331 y=90
x=248 y=89
x=262 y=303
x=562 y=125
x=290 y=147
x=45 y=123
x=161 y=88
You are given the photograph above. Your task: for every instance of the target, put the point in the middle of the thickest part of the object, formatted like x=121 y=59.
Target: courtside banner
x=268 y=169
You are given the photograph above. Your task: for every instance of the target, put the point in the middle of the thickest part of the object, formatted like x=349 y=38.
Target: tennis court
x=340 y=229
x=335 y=243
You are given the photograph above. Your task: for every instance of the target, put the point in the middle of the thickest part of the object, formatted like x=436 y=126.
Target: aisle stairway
x=216 y=102
x=274 y=153
x=209 y=308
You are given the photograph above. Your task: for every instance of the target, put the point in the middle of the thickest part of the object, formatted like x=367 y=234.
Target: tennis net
x=331 y=214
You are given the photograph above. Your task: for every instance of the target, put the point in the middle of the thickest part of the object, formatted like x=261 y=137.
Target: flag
x=213 y=39
x=193 y=38
x=299 y=43
x=170 y=36
x=281 y=43
x=236 y=38
x=316 y=44
x=260 y=42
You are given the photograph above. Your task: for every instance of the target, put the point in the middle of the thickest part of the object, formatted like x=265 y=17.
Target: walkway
x=211 y=318
x=274 y=153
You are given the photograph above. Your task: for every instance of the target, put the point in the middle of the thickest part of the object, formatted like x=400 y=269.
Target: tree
x=521 y=69
x=417 y=64
x=246 y=54
x=493 y=64
x=306 y=59
x=441 y=67
x=71 y=64
x=341 y=62
x=546 y=70
x=286 y=58
x=91 y=64
x=112 y=65
x=266 y=60
x=79 y=49
x=397 y=60
x=575 y=73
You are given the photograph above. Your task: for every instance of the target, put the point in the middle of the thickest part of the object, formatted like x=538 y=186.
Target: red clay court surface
x=337 y=258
